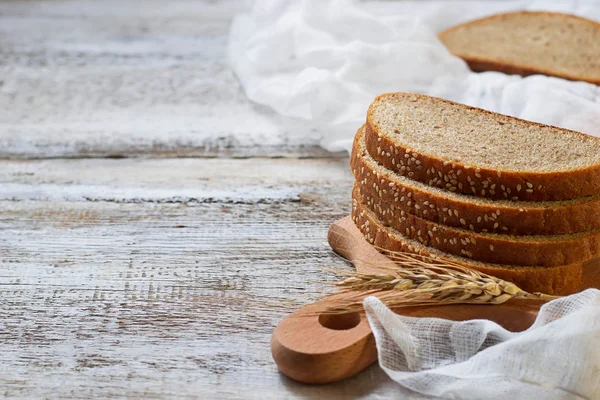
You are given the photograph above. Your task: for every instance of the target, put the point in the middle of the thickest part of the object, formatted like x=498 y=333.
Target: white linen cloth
x=320 y=63
x=557 y=358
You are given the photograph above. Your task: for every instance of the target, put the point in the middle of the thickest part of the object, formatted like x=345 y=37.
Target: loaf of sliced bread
x=527 y=43
x=561 y=280
x=467 y=150
x=543 y=251
x=468 y=212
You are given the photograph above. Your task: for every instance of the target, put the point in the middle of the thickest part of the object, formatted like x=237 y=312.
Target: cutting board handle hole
x=340 y=322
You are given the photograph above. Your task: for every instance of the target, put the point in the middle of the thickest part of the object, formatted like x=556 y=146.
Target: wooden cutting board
x=314 y=348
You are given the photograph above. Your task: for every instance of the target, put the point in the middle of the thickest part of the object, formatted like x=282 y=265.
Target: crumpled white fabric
x=320 y=63
x=558 y=357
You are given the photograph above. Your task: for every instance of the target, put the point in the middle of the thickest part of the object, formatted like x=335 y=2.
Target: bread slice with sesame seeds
x=474 y=213
x=560 y=280
x=543 y=251
x=527 y=43
x=468 y=150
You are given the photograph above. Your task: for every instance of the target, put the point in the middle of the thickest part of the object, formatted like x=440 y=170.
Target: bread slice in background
x=560 y=280
x=469 y=212
x=528 y=43
x=468 y=150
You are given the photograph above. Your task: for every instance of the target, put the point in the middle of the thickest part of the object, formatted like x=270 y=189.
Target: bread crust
x=540 y=251
x=481 y=64
x=559 y=280
x=474 y=180
x=494 y=216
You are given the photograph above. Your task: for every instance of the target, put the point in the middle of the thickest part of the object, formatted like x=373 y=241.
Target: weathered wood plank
x=96 y=79
x=162 y=278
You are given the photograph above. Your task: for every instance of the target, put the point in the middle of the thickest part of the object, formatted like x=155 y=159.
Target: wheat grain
x=421 y=280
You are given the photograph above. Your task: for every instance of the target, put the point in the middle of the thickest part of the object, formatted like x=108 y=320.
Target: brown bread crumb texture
x=527 y=43
x=561 y=280
x=472 y=151
x=471 y=213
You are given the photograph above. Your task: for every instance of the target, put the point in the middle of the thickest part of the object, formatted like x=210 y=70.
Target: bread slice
x=544 y=251
x=469 y=212
x=561 y=280
x=472 y=151
x=528 y=43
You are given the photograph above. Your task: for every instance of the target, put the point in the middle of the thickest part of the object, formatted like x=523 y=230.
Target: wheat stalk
x=421 y=280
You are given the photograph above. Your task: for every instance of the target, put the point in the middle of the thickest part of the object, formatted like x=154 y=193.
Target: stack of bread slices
x=508 y=197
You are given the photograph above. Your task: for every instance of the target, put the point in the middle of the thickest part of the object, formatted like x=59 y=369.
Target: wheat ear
x=422 y=280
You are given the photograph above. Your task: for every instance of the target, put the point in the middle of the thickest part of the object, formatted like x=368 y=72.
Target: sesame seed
x=491 y=247
x=529 y=185
x=459 y=172
x=471 y=227
x=418 y=162
x=411 y=173
x=432 y=206
x=478 y=219
x=462 y=221
x=409 y=203
x=463 y=241
x=417 y=207
x=391 y=184
x=539 y=187
x=478 y=175
x=483 y=192
x=456 y=213
x=529 y=190
x=496 y=225
x=499 y=174
x=460 y=185
x=519 y=188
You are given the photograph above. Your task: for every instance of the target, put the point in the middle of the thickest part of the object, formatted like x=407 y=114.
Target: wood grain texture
x=95 y=79
x=162 y=278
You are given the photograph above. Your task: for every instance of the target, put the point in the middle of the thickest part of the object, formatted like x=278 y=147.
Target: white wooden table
x=153 y=228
